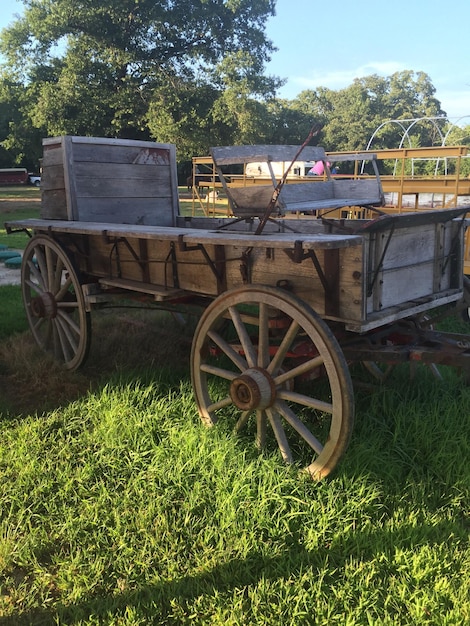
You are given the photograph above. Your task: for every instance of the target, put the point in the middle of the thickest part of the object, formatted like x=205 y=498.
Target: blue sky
x=323 y=44
x=330 y=44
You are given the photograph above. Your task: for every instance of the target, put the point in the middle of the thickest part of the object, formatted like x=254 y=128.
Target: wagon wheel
x=54 y=302
x=250 y=347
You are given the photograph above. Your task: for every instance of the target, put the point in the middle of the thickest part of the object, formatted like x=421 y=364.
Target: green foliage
x=105 y=67
x=351 y=115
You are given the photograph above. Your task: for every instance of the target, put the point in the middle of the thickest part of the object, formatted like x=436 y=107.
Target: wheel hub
x=254 y=389
x=44 y=305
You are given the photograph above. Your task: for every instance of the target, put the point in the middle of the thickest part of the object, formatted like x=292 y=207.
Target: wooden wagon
x=283 y=312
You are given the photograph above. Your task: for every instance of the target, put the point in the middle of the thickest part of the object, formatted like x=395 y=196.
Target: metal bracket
x=219 y=252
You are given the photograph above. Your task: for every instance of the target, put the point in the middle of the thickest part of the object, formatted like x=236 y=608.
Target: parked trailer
x=13 y=176
x=283 y=312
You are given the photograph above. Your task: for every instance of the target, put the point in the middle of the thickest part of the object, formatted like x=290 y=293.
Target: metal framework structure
x=408 y=124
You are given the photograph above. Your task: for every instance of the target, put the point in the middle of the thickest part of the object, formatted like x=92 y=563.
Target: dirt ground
x=8 y=276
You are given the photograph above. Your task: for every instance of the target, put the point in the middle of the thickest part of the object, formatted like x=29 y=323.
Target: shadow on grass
x=155 y=602
x=122 y=342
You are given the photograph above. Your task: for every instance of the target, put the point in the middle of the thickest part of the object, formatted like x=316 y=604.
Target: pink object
x=318 y=169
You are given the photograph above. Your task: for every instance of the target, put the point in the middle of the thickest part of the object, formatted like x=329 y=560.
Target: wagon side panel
x=337 y=296
x=409 y=264
x=53 y=190
x=147 y=261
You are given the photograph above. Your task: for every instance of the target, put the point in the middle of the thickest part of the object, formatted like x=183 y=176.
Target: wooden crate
x=115 y=181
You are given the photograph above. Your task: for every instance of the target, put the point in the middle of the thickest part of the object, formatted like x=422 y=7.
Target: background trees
x=190 y=72
x=106 y=67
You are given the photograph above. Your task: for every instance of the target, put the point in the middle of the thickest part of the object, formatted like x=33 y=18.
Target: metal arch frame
x=406 y=134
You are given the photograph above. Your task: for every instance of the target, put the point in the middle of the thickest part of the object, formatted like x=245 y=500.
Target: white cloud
x=338 y=79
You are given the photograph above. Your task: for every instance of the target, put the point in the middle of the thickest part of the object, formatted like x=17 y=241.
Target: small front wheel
x=54 y=302
x=259 y=352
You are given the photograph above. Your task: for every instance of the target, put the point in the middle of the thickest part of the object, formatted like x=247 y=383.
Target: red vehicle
x=13 y=176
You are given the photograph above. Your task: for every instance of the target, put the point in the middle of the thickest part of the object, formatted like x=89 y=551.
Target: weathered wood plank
x=193 y=236
x=158 y=291
x=145 y=211
x=112 y=188
x=228 y=155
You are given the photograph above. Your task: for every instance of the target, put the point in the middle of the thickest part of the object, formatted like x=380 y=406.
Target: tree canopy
x=190 y=72
x=108 y=66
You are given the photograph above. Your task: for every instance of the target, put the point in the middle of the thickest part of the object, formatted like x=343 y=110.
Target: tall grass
x=119 y=507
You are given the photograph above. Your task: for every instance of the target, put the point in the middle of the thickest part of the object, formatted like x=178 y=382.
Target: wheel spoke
x=280 y=435
x=59 y=295
x=69 y=326
x=69 y=321
x=67 y=344
x=50 y=265
x=220 y=404
x=303 y=368
x=281 y=352
x=227 y=349
x=42 y=267
x=38 y=322
x=218 y=371
x=312 y=403
x=263 y=340
x=39 y=286
x=55 y=338
x=242 y=421
x=299 y=426
x=260 y=429
x=57 y=280
x=245 y=340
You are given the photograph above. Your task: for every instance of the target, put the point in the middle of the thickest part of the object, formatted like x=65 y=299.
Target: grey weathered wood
x=89 y=179
x=310 y=197
x=229 y=155
x=192 y=236
x=159 y=293
x=116 y=204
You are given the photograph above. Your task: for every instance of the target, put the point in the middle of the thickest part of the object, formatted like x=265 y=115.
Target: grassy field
x=118 y=507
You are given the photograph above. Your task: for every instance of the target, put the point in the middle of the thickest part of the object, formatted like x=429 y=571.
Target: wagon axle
x=254 y=389
x=44 y=305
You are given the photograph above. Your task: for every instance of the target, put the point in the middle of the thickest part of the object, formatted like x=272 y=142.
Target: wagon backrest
x=105 y=180
x=252 y=200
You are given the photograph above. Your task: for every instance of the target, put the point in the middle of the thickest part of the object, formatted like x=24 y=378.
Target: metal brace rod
x=380 y=263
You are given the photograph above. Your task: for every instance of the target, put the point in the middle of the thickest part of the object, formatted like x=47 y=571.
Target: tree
x=351 y=115
x=105 y=67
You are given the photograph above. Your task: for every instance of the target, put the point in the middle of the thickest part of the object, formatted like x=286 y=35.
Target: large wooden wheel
x=54 y=302
x=259 y=351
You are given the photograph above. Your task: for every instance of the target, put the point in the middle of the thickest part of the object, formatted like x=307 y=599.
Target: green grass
x=13 y=315
x=17 y=203
x=119 y=507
